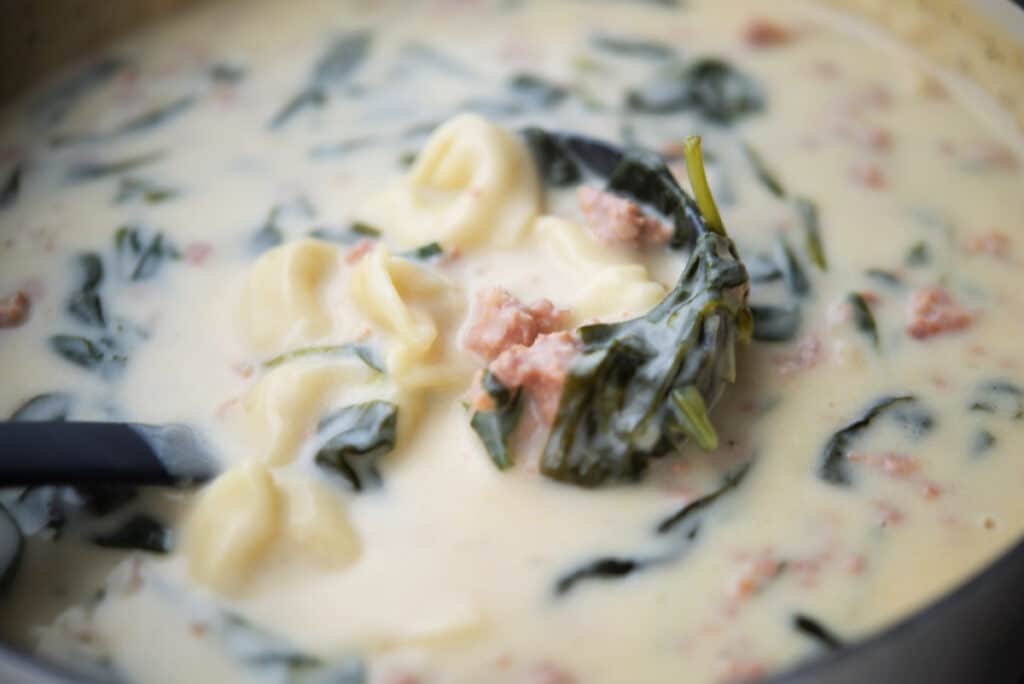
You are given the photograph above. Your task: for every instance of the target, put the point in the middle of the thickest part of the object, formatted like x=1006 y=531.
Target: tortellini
x=473 y=183
x=284 y=406
x=245 y=513
x=608 y=290
x=233 y=526
x=282 y=300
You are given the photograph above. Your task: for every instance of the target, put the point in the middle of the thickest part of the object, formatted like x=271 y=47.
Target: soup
x=348 y=246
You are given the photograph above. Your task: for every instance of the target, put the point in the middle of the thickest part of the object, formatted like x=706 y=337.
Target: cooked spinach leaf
x=999 y=397
x=359 y=436
x=11 y=187
x=265 y=238
x=87 y=171
x=86 y=307
x=887 y=278
x=132 y=188
x=765 y=175
x=685 y=523
x=982 y=442
x=12 y=547
x=227 y=73
x=55 y=103
x=139 y=255
x=556 y=167
x=833 y=467
x=344 y=56
x=713 y=88
x=627 y=46
x=418 y=55
x=915 y=419
x=495 y=426
x=816 y=631
x=533 y=92
x=918 y=255
x=863 y=319
x=775 y=323
x=365 y=353
x=808 y=213
x=793 y=273
x=342 y=149
x=631 y=394
x=426 y=252
x=145 y=121
x=80 y=351
x=139 y=533
x=762 y=269
x=51 y=406
x=600 y=569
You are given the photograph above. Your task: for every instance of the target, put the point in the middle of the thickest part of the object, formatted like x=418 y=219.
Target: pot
x=973 y=634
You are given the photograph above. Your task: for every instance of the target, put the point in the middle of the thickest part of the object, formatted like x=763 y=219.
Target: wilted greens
x=357 y=438
x=493 y=427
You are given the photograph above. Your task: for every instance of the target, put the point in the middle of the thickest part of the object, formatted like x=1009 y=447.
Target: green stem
x=699 y=182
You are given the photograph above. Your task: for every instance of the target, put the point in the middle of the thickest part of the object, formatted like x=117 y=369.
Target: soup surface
x=306 y=228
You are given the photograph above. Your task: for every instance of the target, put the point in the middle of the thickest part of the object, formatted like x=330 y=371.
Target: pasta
x=472 y=184
x=282 y=298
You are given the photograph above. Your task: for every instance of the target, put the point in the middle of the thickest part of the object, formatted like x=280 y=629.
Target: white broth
x=254 y=179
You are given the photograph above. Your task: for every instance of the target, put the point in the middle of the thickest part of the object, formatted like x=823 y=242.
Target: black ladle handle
x=66 y=453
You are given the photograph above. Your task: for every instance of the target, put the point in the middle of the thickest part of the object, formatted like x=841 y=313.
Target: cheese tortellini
x=608 y=290
x=245 y=513
x=282 y=300
x=473 y=183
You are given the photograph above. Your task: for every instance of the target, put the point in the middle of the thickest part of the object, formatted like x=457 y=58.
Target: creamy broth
x=254 y=172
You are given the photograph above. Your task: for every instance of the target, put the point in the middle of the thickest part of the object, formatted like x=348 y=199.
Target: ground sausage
x=14 y=309
x=994 y=243
x=499 y=321
x=933 y=311
x=540 y=369
x=619 y=221
x=761 y=32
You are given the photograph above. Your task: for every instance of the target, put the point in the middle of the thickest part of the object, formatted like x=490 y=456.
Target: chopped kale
x=685 y=523
x=533 y=92
x=556 y=168
x=918 y=255
x=133 y=188
x=793 y=273
x=139 y=255
x=982 y=442
x=999 y=397
x=600 y=569
x=766 y=176
x=139 y=533
x=887 y=278
x=55 y=103
x=495 y=426
x=145 y=121
x=775 y=323
x=426 y=252
x=762 y=269
x=808 y=213
x=226 y=73
x=358 y=436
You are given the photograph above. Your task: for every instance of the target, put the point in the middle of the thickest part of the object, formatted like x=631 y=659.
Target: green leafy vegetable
x=713 y=88
x=913 y=418
x=426 y=252
x=808 y=213
x=416 y=55
x=226 y=73
x=139 y=533
x=133 y=188
x=816 y=631
x=358 y=436
x=55 y=102
x=80 y=351
x=999 y=397
x=12 y=548
x=145 y=121
x=628 y=395
x=266 y=237
x=344 y=56
x=600 y=569
x=494 y=427
x=556 y=168
x=884 y=277
x=685 y=523
x=982 y=442
x=341 y=149
x=833 y=467
x=11 y=187
x=533 y=92
x=365 y=353
x=761 y=171
x=52 y=406
x=762 y=269
x=918 y=255
x=775 y=323
x=139 y=255
x=793 y=273
x=624 y=46
x=85 y=304
x=863 y=319
x=87 y=171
